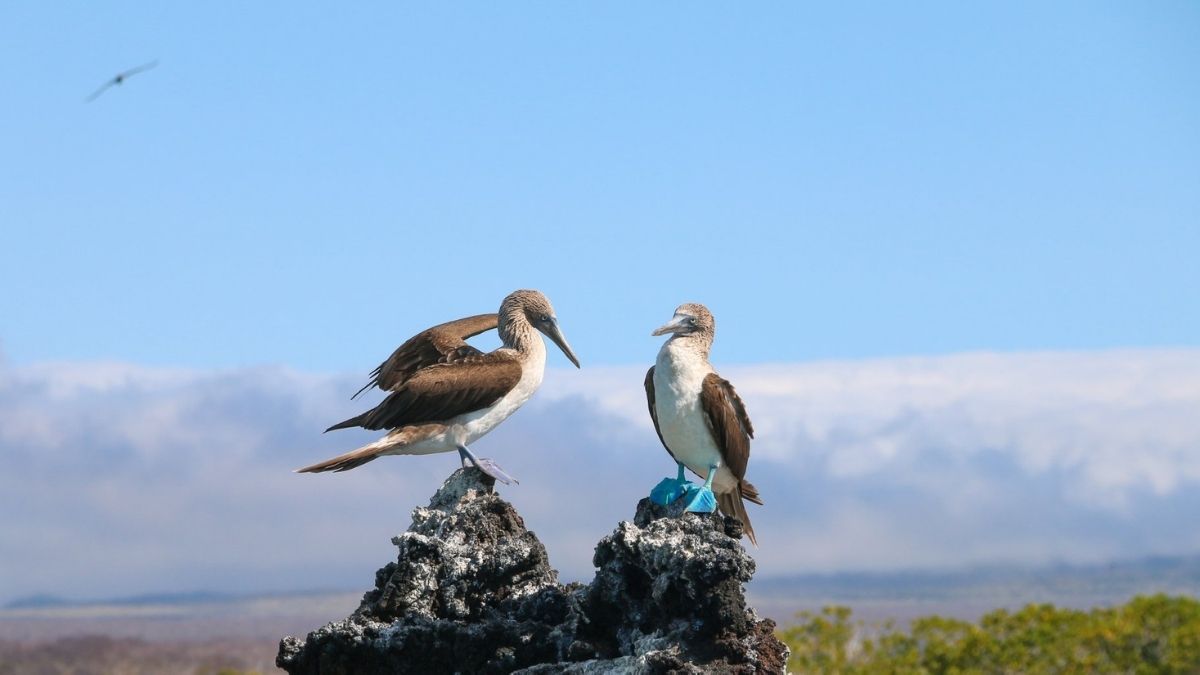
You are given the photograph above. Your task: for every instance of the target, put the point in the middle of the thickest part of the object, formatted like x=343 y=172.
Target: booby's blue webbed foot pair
x=670 y=489
x=485 y=465
x=699 y=498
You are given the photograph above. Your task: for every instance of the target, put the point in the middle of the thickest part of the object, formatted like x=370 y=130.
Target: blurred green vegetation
x=1148 y=634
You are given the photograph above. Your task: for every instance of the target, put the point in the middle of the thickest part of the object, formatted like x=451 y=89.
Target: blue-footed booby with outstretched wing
x=446 y=394
x=700 y=420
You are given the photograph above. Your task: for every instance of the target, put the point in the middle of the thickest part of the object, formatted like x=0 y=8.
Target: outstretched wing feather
x=444 y=343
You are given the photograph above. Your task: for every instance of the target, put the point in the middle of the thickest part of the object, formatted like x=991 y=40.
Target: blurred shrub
x=1154 y=634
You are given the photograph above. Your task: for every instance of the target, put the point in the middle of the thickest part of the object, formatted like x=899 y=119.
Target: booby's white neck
x=693 y=347
x=682 y=365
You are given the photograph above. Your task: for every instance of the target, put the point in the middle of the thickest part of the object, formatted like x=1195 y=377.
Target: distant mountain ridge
x=1117 y=579
x=1114 y=580
x=50 y=601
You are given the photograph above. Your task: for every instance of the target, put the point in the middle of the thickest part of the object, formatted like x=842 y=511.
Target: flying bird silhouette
x=120 y=79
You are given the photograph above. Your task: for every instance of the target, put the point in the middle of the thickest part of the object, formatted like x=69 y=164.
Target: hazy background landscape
x=899 y=487
x=951 y=251
x=177 y=480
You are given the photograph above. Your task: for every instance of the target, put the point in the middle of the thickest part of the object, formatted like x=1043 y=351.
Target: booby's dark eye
x=545 y=318
x=691 y=321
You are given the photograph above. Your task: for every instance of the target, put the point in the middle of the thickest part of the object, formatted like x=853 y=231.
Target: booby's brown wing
x=729 y=423
x=653 y=409
x=443 y=391
x=444 y=343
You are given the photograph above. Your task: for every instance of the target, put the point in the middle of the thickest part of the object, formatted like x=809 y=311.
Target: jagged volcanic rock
x=668 y=591
x=472 y=591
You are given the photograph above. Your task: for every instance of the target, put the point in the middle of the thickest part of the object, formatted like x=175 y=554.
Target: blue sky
x=199 y=268
x=308 y=186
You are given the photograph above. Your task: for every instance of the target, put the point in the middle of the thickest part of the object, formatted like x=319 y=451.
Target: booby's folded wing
x=653 y=409
x=729 y=422
x=444 y=343
x=443 y=391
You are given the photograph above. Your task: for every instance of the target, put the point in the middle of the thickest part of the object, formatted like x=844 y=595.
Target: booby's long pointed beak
x=675 y=325
x=555 y=333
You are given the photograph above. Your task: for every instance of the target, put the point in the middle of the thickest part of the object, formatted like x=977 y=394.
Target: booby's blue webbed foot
x=700 y=499
x=668 y=490
x=485 y=465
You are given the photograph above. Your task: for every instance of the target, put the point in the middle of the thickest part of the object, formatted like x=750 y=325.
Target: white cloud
x=121 y=478
x=1115 y=421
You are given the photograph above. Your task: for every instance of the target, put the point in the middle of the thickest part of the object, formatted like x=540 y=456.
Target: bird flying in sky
x=120 y=78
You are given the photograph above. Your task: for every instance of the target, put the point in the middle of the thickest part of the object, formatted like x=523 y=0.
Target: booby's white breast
x=474 y=425
x=678 y=379
x=470 y=427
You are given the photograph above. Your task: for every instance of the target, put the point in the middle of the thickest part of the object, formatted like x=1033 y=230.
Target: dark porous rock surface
x=472 y=591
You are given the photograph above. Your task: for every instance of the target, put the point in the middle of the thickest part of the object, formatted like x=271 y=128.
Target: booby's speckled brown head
x=691 y=318
x=533 y=308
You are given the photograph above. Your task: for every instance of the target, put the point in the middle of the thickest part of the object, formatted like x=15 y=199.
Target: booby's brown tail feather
x=750 y=493
x=345 y=462
x=731 y=504
x=356 y=421
x=397 y=442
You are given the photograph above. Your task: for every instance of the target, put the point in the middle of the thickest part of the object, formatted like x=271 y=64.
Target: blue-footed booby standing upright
x=446 y=394
x=700 y=420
